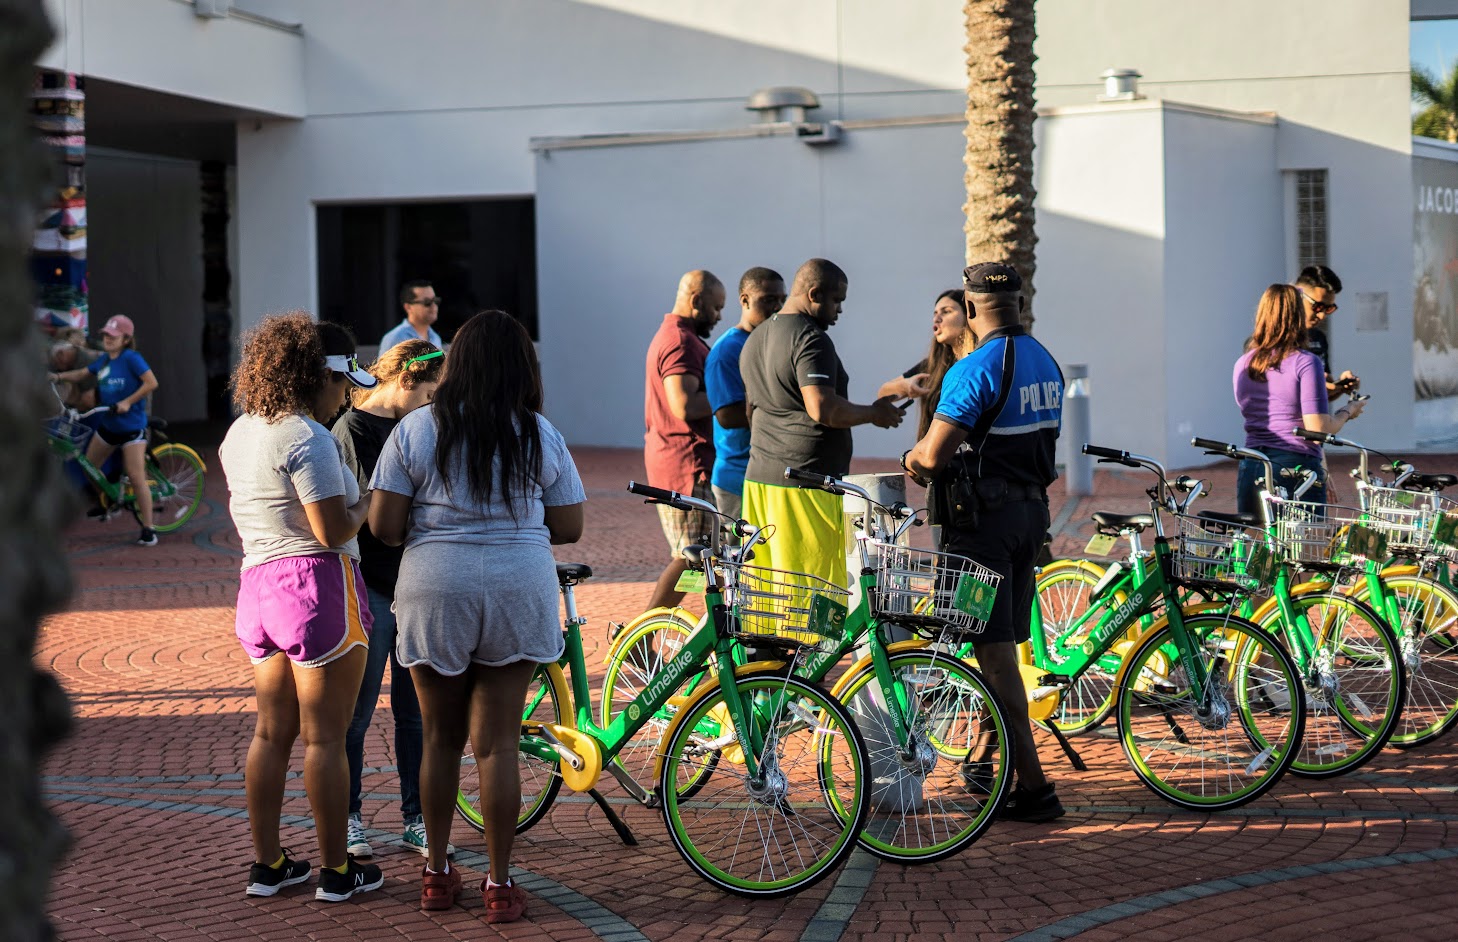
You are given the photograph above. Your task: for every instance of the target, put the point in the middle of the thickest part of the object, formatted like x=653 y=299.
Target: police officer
x=989 y=456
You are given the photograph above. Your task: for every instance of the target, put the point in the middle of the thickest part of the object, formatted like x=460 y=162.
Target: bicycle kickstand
x=1074 y=759
x=625 y=834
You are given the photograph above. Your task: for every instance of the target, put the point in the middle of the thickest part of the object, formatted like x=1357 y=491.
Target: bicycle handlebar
x=823 y=481
x=1113 y=455
x=1321 y=438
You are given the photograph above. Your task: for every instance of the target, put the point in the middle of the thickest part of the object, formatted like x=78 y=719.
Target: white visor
x=349 y=366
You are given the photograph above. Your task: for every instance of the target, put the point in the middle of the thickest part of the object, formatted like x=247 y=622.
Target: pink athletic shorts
x=312 y=608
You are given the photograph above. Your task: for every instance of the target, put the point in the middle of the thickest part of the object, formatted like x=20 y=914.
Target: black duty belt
x=1016 y=491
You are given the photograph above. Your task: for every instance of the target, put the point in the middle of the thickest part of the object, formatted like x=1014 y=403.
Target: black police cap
x=991 y=278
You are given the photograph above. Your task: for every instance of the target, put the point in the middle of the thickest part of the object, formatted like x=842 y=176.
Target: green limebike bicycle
x=939 y=745
x=763 y=778
x=1204 y=698
x=174 y=471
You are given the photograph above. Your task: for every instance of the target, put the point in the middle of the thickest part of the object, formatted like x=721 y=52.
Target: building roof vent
x=1121 y=85
x=782 y=103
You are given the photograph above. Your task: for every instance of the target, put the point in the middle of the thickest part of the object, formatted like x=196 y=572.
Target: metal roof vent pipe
x=782 y=103
x=1121 y=85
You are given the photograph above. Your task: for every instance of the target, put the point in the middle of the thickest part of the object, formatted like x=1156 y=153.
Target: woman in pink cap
x=123 y=383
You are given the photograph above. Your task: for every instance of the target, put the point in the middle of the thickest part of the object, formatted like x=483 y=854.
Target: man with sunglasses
x=422 y=307
x=1319 y=287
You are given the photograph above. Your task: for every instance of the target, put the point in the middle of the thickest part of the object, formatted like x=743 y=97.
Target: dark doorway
x=478 y=254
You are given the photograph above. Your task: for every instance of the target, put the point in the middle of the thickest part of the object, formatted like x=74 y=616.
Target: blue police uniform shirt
x=117 y=379
x=1021 y=442
x=405 y=331
x=725 y=387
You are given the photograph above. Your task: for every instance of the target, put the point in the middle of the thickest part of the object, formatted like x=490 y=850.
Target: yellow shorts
x=809 y=530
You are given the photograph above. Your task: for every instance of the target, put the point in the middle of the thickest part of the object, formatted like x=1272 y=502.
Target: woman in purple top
x=1280 y=386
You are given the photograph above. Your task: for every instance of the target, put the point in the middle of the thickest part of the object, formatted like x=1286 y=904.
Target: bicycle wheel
x=176 y=479
x=1227 y=744
x=794 y=823
x=540 y=779
x=1354 y=691
x=1064 y=594
x=941 y=789
x=636 y=658
x=1427 y=622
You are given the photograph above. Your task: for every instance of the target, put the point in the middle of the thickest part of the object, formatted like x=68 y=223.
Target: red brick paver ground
x=151 y=789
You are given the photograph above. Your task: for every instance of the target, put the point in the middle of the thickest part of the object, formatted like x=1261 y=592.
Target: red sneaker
x=504 y=903
x=438 y=890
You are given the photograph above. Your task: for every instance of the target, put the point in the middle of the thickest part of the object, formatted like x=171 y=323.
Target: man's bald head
x=818 y=273
x=701 y=299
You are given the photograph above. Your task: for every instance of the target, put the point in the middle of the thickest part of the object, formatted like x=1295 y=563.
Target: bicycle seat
x=1234 y=519
x=694 y=553
x=1122 y=522
x=156 y=423
x=1430 y=482
x=573 y=573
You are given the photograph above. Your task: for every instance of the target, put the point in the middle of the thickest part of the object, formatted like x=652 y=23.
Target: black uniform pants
x=1008 y=541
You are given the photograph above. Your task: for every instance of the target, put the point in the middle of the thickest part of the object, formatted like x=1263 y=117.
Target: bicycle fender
x=895 y=647
x=1392 y=572
x=191 y=451
x=562 y=694
x=1200 y=609
x=704 y=689
x=1305 y=588
x=677 y=614
x=1059 y=565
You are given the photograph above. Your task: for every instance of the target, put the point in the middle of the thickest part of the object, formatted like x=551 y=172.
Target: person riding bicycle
x=1004 y=401
x=123 y=382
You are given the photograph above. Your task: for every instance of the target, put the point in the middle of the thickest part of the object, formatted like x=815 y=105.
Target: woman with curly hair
x=297 y=510
x=477 y=487
x=408 y=375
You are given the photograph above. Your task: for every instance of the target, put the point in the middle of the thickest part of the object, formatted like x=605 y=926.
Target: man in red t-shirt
x=678 y=448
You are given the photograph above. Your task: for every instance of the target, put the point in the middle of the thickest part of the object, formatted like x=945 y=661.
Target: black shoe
x=97 y=512
x=336 y=887
x=1033 y=805
x=264 y=880
x=148 y=537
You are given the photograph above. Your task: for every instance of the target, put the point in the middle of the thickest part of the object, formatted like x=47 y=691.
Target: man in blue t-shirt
x=761 y=295
x=123 y=383
x=422 y=308
x=1004 y=403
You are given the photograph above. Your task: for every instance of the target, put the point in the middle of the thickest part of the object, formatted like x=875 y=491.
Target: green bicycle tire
x=1427 y=613
x=793 y=826
x=944 y=798
x=1370 y=678
x=1249 y=745
x=1063 y=596
x=179 y=466
x=540 y=780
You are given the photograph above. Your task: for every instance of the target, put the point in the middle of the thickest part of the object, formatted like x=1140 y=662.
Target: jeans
x=408 y=737
x=1251 y=478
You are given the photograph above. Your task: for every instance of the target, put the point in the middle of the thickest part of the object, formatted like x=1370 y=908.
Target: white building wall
x=1224 y=244
x=1336 y=73
x=776 y=203
x=1100 y=280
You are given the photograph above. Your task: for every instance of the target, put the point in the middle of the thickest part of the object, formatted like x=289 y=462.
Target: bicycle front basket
x=1218 y=554
x=787 y=607
x=932 y=590
x=65 y=431
x=1322 y=535
x=1406 y=518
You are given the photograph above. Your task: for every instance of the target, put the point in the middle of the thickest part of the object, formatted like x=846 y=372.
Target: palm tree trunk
x=999 y=158
x=34 y=578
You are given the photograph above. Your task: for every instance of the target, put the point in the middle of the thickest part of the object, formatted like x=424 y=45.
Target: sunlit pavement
x=150 y=786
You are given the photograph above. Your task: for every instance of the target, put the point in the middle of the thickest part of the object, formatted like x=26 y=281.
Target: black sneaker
x=97 y=512
x=264 y=880
x=336 y=887
x=1033 y=805
x=148 y=537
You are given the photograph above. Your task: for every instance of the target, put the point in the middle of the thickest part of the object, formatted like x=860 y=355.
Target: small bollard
x=1079 y=472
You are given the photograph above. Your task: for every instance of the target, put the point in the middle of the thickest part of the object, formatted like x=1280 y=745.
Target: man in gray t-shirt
x=800 y=417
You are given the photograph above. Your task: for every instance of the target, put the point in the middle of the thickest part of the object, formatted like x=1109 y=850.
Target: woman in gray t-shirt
x=477 y=487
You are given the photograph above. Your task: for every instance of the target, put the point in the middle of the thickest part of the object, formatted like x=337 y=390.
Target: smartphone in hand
x=904 y=404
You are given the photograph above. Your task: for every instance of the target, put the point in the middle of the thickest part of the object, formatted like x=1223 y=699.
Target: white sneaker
x=358 y=844
x=415 y=840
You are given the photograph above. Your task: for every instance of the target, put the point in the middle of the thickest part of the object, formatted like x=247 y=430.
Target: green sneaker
x=415 y=840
